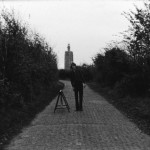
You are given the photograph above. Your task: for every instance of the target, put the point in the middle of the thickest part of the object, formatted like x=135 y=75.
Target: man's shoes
x=79 y=109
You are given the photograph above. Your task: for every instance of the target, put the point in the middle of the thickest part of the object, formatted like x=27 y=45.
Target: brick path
x=99 y=127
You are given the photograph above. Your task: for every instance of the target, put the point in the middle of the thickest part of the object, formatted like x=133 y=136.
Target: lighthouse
x=68 y=57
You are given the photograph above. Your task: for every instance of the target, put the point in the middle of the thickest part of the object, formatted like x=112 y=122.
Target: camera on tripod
x=61 y=102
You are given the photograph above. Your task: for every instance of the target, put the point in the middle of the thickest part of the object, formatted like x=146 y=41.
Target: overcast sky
x=87 y=25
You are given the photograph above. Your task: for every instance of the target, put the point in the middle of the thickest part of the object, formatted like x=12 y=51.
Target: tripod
x=63 y=102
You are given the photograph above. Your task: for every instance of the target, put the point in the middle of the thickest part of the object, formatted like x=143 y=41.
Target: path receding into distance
x=99 y=127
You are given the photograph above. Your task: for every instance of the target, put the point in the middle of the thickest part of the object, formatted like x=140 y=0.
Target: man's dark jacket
x=76 y=78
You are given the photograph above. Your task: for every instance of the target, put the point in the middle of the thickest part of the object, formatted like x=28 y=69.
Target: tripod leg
x=56 y=103
x=61 y=99
x=66 y=103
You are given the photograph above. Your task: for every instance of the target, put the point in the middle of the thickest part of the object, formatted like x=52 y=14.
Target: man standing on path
x=77 y=82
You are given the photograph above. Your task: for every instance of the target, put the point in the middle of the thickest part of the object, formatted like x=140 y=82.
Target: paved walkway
x=99 y=127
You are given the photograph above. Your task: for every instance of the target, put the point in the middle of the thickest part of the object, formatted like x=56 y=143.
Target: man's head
x=73 y=66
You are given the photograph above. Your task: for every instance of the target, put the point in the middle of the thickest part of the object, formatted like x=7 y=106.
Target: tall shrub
x=27 y=61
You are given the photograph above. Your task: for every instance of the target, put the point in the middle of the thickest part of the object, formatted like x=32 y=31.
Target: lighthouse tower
x=68 y=57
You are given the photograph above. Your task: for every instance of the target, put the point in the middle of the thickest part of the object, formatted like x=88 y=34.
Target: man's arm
x=82 y=78
x=72 y=79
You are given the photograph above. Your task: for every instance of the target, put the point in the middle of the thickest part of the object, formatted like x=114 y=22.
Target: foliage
x=64 y=74
x=128 y=70
x=87 y=71
x=111 y=66
x=27 y=62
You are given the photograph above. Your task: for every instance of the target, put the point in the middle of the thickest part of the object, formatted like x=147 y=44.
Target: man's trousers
x=78 y=90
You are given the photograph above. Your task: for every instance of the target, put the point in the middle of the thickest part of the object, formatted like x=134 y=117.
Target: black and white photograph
x=74 y=74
